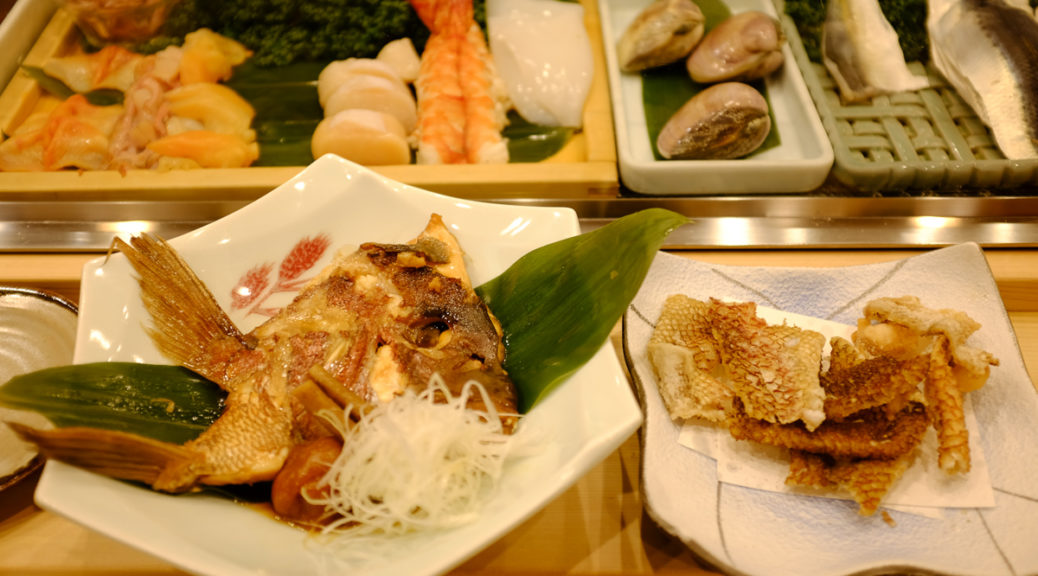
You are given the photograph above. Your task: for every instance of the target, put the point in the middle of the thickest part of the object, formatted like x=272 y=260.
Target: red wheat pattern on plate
x=254 y=287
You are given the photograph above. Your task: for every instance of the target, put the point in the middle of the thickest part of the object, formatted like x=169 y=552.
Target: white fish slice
x=543 y=54
x=860 y=49
x=988 y=51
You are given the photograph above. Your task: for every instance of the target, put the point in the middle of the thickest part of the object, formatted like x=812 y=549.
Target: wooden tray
x=585 y=167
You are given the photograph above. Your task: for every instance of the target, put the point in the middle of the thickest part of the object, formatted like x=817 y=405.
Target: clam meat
x=664 y=32
x=743 y=47
x=725 y=121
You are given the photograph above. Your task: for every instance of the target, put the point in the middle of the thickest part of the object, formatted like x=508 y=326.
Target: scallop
x=367 y=137
x=334 y=74
x=725 y=121
x=401 y=56
x=743 y=47
x=665 y=31
x=375 y=93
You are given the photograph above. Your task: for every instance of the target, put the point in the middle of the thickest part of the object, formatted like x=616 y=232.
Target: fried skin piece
x=773 y=370
x=854 y=383
x=871 y=434
x=895 y=326
x=686 y=361
x=867 y=480
x=944 y=401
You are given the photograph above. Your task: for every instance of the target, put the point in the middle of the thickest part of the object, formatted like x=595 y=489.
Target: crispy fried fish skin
x=773 y=370
x=869 y=435
x=972 y=365
x=867 y=480
x=855 y=384
x=686 y=361
x=944 y=401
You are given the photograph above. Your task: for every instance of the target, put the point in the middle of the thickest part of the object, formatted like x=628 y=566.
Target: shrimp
x=441 y=104
x=461 y=102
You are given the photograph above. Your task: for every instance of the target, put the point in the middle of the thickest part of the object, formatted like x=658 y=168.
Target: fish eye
x=428 y=335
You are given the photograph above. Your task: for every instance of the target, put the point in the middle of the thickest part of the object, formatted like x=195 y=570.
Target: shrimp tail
x=444 y=16
x=188 y=325
x=112 y=453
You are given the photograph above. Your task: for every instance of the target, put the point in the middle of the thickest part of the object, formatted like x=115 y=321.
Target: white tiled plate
x=800 y=163
x=746 y=531
x=581 y=423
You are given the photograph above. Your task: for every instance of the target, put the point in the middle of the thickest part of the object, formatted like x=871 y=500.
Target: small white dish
x=582 y=422
x=38 y=331
x=799 y=164
x=746 y=531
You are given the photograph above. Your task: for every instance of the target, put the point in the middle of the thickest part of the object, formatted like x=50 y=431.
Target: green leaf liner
x=167 y=403
x=55 y=87
x=558 y=303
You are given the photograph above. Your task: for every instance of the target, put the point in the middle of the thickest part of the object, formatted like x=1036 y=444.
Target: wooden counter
x=597 y=526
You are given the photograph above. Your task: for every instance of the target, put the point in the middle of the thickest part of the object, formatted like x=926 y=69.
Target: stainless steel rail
x=717 y=222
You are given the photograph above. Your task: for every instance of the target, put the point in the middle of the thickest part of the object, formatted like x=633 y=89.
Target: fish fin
x=109 y=452
x=187 y=322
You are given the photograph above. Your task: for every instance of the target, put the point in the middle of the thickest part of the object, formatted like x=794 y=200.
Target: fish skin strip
x=988 y=51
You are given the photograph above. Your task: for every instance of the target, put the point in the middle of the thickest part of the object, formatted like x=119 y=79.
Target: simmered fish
x=376 y=321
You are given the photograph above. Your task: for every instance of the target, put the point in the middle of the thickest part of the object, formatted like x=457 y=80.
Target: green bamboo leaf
x=532 y=142
x=167 y=403
x=55 y=87
x=558 y=303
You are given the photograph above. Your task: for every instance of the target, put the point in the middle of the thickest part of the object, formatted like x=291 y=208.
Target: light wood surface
x=597 y=526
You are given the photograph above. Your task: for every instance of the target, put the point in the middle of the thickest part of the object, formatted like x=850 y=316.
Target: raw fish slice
x=860 y=49
x=543 y=54
x=366 y=137
x=112 y=67
x=75 y=134
x=210 y=57
x=207 y=149
x=988 y=50
x=334 y=74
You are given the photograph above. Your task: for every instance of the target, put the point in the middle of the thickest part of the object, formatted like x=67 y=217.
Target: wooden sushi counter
x=597 y=526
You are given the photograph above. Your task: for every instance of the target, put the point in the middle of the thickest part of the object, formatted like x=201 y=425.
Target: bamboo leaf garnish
x=558 y=303
x=55 y=87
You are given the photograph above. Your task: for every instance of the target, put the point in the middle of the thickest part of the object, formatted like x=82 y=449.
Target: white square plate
x=583 y=421
x=799 y=164
x=746 y=531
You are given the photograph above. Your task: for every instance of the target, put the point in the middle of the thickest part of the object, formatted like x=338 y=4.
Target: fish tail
x=109 y=452
x=188 y=325
x=444 y=16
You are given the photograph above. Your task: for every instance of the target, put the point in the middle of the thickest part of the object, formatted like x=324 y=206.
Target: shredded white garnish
x=417 y=462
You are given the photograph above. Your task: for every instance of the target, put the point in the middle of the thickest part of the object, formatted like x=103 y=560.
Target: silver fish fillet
x=988 y=51
x=860 y=50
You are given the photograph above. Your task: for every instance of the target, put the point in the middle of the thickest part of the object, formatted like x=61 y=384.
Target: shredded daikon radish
x=416 y=463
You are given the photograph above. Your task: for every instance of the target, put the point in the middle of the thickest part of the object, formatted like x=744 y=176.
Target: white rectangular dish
x=799 y=163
